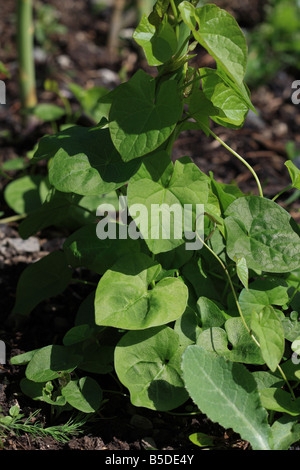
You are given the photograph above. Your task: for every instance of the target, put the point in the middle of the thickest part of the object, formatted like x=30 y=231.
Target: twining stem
x=25 y=32
x=241 y=313
x=236 y=155
x=232 y=288
x=281 y=192
x=293 y=295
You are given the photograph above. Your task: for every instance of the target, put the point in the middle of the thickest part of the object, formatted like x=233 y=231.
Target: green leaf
x=197 y=274
x=294 y=173
x=291 y=327
x=278 y=400
x=232 y=108
x=265 y=379
x=291 y=369
x=23 y=359
x=226 y=392
x=86 y=312
x=61 y=210
x=159 y=9
x=97 y=358
x=226 y=193
x=141 y=117
x=263 y=233
x=210 y=313
x=296 y=346
x=188 y=327
x=218 y=32
x=262 y=293
x=84 y=394
x=268 y=329
x=41 y=280
x=84 y=161
x=15 y=164
x=48 y=112
x=242 y=271
x=78 y=334
x=49 y=361
x=26 y=194
x=201 y=440
x=138 y=307
x=159 y=45
x=88 y=100
x=175 y=258
x=158 y=187
x=148 y=364
x=84 y=249
x=285 y=431
x=36 y=391
x=234 y=343
x=201 y=108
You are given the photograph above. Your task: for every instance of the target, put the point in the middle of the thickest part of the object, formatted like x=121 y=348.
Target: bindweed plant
x=197 y=301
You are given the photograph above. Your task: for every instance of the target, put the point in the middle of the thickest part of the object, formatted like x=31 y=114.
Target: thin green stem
x=192 y=413
x=281 y=192
x=293 y=295
x=231 y=286
x=176 y=16
x=236 y=155
x=286 y=381
x=174 y=9
x=13 y=218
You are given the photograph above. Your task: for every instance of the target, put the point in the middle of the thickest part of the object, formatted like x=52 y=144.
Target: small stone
x=31 y=245
x=108 y=78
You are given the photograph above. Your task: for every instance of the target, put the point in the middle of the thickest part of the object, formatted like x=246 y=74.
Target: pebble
x=31 y=245
x=108 y=78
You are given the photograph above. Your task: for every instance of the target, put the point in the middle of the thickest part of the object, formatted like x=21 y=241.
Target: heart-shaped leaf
x=51 y=274
x=127 y=298
x=48 y=363
x=218 y=32
x=148 y=364
x=84 y=161
x=263 y=233
x=268 y=330
x=84 y=394
x=141 y=117
x=232 y=108
x=159 y=45
x=84 y=249
x=160 y=188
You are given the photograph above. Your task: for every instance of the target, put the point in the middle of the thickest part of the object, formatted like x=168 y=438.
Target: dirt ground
x=81 y=55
